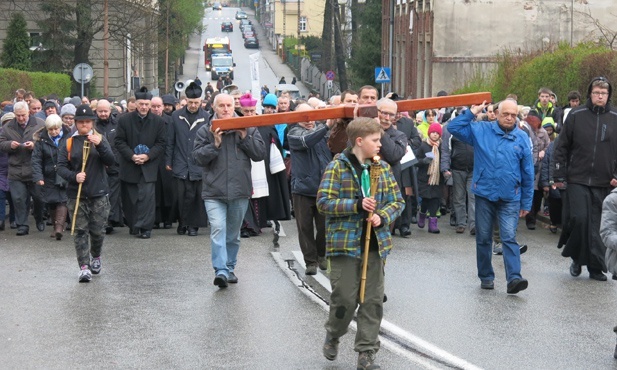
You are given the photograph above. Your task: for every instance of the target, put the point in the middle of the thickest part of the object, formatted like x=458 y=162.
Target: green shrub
x=39 y=82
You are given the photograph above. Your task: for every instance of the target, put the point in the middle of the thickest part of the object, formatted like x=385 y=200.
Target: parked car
x=293 y=90
x=217 y=6
x=251 y=42
x=227 y=27
x=247 y=34
x=241 y=15
x=244 y=23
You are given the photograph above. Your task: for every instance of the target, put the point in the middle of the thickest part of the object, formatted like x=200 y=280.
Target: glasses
x=599 y=93
x=387 y=114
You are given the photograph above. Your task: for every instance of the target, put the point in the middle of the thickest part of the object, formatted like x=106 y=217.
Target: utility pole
x=167 y=52
x=298 y=35
x=105 y=49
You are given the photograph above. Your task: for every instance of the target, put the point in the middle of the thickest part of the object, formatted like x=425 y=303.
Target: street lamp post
x=339 y=52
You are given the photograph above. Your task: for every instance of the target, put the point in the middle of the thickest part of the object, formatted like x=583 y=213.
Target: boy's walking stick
x=85 y=154
x=375 y=172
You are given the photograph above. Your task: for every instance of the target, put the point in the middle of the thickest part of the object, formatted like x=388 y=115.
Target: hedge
x=38 y=82
x=562 y=70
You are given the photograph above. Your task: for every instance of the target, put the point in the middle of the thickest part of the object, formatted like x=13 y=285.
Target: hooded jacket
x=586 y=151
x=503 y=165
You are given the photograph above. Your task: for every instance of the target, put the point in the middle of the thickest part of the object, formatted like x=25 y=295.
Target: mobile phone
x=367 y=111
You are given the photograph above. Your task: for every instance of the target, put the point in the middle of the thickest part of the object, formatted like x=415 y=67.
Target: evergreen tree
x=366 y=48
x=58 y=39
x=16 y=49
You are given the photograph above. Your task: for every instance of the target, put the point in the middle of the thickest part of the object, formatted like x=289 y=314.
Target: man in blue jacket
x=503 y=184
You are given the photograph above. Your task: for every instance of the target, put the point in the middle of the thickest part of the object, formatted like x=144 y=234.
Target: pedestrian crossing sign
x=382 y=75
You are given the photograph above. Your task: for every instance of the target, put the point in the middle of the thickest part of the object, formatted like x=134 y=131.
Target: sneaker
x=330 y=347
x=522 y=248
x=517 y=285
x=472 y=231
x=323 y=263
x=366 y=361
x=487 y=284
x=232 y=279
x=96 y=265
x=311 y=270
x=85 y=275
x=497 y=249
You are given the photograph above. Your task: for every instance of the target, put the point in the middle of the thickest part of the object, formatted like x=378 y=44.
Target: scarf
x=433 y=168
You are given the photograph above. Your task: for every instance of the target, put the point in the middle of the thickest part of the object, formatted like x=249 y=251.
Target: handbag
x=60 y=181
x=276 y=160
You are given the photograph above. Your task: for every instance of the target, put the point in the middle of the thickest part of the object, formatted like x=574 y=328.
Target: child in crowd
x=429 y=178
x=344 y=198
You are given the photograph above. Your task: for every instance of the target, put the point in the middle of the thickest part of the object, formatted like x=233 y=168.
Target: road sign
x=83 y=73
x=382 y=75
x=329 y=84
x=330 y=75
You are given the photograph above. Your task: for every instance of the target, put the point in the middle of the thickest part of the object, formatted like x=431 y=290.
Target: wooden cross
x=348 y=111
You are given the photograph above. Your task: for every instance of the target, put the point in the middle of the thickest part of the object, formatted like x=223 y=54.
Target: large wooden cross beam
x=348 y=111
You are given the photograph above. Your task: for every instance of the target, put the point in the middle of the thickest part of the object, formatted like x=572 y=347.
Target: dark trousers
x=309 y=220
x=430 y=206
x=554 y=209
x=115 y=212
x=139 y=204
x=21 y=191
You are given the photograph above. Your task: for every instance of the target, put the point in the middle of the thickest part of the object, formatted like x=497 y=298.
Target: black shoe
x=134 y=231
x=181 y=230
x=145 y=234
x=414 y=220
x=221 y=281
x=192 y=231
x=405 y=232
x=167 y=225
x=233 y=279
x=156 y=226
x=599 y=276
x=109 y=229
x=385 y=298
x=40 y=226
x=517 y=285
x=614 y=277
x=13 y=225
x=575 y=269
x=452 y=220
x=22 y=230
x=2 y=226
x=245 y=234
x=487 y=284
x=472 y=231
x=531 y=225
x=522 y=248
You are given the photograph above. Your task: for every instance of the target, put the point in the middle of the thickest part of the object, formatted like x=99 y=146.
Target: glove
x=426 y=160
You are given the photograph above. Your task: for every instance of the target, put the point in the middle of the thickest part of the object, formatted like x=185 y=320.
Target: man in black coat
x=186 y=183
x=107 y=125
x=141 y=141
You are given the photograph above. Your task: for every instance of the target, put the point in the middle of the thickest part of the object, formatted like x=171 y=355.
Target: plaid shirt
x=339 y=198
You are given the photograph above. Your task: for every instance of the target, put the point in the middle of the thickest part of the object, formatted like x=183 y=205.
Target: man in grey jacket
x=16 y=140
x=226 y=160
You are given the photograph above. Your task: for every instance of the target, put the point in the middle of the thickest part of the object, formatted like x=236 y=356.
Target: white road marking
x=418 y=344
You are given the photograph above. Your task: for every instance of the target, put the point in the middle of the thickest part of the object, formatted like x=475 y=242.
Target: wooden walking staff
x=85 y=154
x=375 y=174
x=347 y=111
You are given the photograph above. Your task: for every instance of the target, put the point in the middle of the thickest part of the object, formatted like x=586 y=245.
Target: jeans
x=225 y=221
x=463 y=198
x=506 y=213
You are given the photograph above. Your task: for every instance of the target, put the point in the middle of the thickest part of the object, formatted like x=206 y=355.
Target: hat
x=7 y=117
x=270 y=100
x=67 y=109
x=192 y=91
x=247 y=100
x=442 y=93
x=435 y=127
x=76 y=101
x=8 y=108
x=548 y=122
x=143 y=94
x=66 y=100
x=49 y=104
x=168 y=99
x=84 y=112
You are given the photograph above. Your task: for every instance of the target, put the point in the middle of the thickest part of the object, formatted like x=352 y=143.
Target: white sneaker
x=85 y=275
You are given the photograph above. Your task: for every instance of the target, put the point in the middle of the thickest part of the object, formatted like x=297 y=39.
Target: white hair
x=53 y=121
x=21 y=105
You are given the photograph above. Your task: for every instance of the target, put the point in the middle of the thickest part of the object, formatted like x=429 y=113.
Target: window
x=302 y=24
x=36 y=40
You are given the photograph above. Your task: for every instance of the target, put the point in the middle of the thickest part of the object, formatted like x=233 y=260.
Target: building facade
x=291 y=18
x=132 y=57
x=434 y=45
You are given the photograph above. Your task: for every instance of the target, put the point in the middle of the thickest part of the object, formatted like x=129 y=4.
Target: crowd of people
x=149 y=162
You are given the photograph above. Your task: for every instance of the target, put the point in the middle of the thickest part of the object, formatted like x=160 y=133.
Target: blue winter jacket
x=503 y=165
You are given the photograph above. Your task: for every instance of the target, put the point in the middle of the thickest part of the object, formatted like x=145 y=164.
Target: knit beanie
x=435 y=127
x=271 y=100
x=67 y=109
